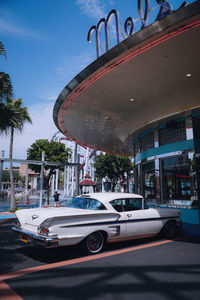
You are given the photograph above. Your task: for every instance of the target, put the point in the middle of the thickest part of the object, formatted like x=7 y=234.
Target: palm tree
x=6 y=89
x=8 y=115
x=18 y=126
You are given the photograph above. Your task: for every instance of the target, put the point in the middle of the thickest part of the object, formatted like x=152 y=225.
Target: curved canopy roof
x=151 y=75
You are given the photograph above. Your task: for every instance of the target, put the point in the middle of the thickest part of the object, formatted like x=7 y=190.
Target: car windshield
x=86 y=203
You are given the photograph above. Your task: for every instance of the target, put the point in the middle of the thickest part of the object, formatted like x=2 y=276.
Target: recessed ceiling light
x=131 y=99
x=188 y=75
x=108 y=118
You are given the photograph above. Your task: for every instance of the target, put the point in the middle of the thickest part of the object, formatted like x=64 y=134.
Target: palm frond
x=13 y=115
x=9 y=118
x=6 y=89
x=2 y=49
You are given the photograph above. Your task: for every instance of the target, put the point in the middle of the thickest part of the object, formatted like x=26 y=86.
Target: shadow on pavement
x=133 y=281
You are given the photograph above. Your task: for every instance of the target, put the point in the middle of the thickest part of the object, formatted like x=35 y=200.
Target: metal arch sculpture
x=90 y=32
x=129 y=25
x=143 y=13
x=165 y=9
x=115 y=13
x=106 y=23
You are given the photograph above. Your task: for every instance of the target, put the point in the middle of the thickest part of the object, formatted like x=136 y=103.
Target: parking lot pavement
x=161 y=269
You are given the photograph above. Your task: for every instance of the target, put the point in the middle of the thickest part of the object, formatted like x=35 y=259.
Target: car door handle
x=129 y=215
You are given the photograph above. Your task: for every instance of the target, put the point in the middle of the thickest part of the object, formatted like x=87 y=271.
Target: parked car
x=94 y=220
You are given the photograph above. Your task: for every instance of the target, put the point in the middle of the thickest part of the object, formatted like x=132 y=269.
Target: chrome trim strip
x=123 y=221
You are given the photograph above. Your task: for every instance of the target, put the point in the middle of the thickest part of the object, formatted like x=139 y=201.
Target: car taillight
x=44 y=227
x=16 y=224
x=43 y=230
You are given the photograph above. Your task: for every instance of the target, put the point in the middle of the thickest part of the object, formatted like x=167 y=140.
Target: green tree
x=23 y=118
x=6 y=89
x=54 y=152
x=9 y=117
x=114 y=167
x=6 y=175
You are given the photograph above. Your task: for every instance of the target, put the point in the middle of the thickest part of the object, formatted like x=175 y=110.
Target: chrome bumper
x=46 y=242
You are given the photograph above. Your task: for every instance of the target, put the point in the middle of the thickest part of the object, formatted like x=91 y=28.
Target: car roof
x=109 y=196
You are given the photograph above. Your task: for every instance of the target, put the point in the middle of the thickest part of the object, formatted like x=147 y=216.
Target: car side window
x=95 y=204
x=117 y=205
x=133 y=204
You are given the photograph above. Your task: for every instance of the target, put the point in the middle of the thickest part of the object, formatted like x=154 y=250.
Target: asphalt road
x=144 y=269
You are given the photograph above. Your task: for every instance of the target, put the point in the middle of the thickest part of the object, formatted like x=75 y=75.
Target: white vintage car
x=94 y=220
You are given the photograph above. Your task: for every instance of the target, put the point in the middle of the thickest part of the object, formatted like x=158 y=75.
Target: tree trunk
x=12 y=187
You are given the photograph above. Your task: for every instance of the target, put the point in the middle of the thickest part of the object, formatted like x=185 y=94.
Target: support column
x=77 y=175
x=140 y=171
x=42 y=179
x=57 y=173
x=127 y=183
x=73 y=168
x=53 y=185
x=161 y=182
x=1 y=168
x=65 y=177
x=136 y=180
x=26 y=181
x=68 y=180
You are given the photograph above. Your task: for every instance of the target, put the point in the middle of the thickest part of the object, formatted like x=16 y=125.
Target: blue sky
x=46 y=47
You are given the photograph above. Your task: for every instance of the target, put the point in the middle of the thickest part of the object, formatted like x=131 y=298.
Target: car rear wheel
x=169 y=229
x=94 y=243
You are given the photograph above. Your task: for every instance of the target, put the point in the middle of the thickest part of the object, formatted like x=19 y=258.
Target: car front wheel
x=94 y=243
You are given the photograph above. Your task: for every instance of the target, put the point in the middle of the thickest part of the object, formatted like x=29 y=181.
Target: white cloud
x=8 y=27
x=92 y=8
x=43 y=127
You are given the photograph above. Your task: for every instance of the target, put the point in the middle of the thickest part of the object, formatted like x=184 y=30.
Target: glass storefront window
x=172 y=132
x=176 y=178
x=148 y=170
x=147 y=141
x=144 y=142
x=137 y=180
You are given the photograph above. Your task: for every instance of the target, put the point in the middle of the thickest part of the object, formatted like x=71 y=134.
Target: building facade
x=167 y=160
